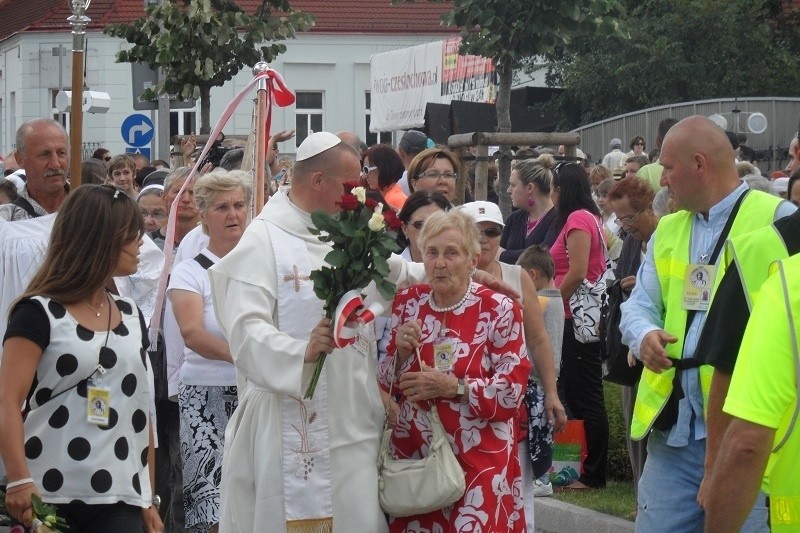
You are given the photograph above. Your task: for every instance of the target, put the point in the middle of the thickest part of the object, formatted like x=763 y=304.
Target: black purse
x=612 y=350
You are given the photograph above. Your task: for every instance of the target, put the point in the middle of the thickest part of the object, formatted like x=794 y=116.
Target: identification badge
x=444 y=354
x=98 y=405
x=697 y=286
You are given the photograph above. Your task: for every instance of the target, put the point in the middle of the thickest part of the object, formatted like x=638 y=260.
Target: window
x=383 y=137
x=308 y=114
x=183 y=122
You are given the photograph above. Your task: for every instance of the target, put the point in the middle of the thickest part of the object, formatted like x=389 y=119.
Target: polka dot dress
x=69 y=458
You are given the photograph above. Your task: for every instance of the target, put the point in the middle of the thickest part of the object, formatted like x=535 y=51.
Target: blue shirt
x=644 y=311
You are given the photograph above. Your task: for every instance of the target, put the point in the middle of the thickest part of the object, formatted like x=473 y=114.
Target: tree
x=204 y=43
x=678 y=51
x=511 y=31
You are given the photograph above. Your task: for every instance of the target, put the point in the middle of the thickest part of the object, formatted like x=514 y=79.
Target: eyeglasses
x=638 y=144
x=158 y=215
x=436 y=174
x=491 y=233
x=367 y=170
x=628 y=220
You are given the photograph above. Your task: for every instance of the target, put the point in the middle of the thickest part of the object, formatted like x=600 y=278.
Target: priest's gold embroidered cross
x=296 y=278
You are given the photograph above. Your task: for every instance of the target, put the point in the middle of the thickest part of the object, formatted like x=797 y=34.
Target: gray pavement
x=554 y=516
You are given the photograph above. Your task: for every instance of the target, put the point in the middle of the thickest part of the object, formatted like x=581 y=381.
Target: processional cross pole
x=79 y=21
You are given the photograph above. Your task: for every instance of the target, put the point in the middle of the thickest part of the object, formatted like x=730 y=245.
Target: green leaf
x=337 y=258
x=381 y=265
x=386 y=289
x=356 y=247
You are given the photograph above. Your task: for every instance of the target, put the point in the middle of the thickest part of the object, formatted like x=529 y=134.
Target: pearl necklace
x=450 y=307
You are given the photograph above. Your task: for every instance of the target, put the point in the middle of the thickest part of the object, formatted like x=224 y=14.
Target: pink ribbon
x=282 y=96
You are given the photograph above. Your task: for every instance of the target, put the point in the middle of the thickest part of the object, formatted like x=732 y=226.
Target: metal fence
x=771 y=146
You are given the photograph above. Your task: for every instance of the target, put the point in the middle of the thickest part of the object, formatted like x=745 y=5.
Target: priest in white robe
x=290 y=464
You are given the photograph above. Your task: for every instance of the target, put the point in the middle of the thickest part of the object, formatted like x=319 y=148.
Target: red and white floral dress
x=487 y=334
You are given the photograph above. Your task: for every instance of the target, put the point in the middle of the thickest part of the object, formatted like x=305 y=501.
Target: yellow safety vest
x=782 y=479
x=671 y=255
x=754 y=254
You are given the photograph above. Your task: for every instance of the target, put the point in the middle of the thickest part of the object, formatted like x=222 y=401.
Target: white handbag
x=417 y=486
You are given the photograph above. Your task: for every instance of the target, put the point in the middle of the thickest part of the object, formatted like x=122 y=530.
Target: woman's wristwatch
x=156 y=502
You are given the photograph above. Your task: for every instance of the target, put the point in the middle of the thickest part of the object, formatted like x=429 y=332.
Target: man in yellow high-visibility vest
x=762 y=444
x=665 y=314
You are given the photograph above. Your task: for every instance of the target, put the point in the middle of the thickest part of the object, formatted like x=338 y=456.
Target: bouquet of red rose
x=363 y=236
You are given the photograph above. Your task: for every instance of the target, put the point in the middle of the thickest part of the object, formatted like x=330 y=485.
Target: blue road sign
x=144 y=151
x=137 y=130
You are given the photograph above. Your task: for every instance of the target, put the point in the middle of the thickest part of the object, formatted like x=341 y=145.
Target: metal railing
x=771 y=146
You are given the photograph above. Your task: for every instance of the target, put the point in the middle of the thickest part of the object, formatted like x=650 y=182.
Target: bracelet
x=19 y=483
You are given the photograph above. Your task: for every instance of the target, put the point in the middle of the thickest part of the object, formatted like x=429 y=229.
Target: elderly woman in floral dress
x=474 y=369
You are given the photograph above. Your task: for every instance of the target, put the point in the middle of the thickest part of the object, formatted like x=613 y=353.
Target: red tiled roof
x=332 y=16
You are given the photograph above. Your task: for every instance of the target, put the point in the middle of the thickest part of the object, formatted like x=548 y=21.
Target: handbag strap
x=603 y=245
x=433 y=414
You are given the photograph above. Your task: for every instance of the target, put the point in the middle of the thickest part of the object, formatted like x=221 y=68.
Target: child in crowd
x=122 y=171
x=538 y=263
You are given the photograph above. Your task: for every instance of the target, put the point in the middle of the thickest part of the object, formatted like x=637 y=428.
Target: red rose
x=349 y=202
x=371 y=204
x=392 y=221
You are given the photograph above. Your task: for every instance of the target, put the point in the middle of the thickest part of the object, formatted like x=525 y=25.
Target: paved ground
x=554 y=516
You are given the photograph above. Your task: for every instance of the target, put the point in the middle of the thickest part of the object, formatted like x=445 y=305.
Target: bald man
x=353 y=140
x=43 y=151
x=666 y=313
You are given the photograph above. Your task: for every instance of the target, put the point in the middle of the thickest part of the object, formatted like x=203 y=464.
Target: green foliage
x=616 y=499
x=204 y=43
x=510 y=31
x=679 y=50
x=619 y=463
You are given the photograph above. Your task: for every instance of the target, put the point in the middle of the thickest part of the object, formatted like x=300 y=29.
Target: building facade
x=328 y=68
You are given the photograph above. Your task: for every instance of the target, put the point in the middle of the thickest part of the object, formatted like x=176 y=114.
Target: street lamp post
x=78 y=20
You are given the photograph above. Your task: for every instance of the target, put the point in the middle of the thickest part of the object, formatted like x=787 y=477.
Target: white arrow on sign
x=141 y=128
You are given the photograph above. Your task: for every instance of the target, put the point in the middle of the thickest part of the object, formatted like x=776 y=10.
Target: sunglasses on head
x=563 y=163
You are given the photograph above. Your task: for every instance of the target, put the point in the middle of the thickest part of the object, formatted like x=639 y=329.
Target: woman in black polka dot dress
x=74 y=355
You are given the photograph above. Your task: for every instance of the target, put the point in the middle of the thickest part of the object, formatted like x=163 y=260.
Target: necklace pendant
x=98 y=314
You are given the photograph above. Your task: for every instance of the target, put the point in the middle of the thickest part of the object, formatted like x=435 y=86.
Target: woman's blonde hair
x=444 y=220
x=83 y=252
x=208 y=186
x=537 y=171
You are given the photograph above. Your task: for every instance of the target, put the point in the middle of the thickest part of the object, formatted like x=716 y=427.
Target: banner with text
x=404 y=81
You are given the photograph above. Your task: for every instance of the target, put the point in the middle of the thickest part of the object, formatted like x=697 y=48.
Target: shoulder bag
x=588 y=300
x=409 y=487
